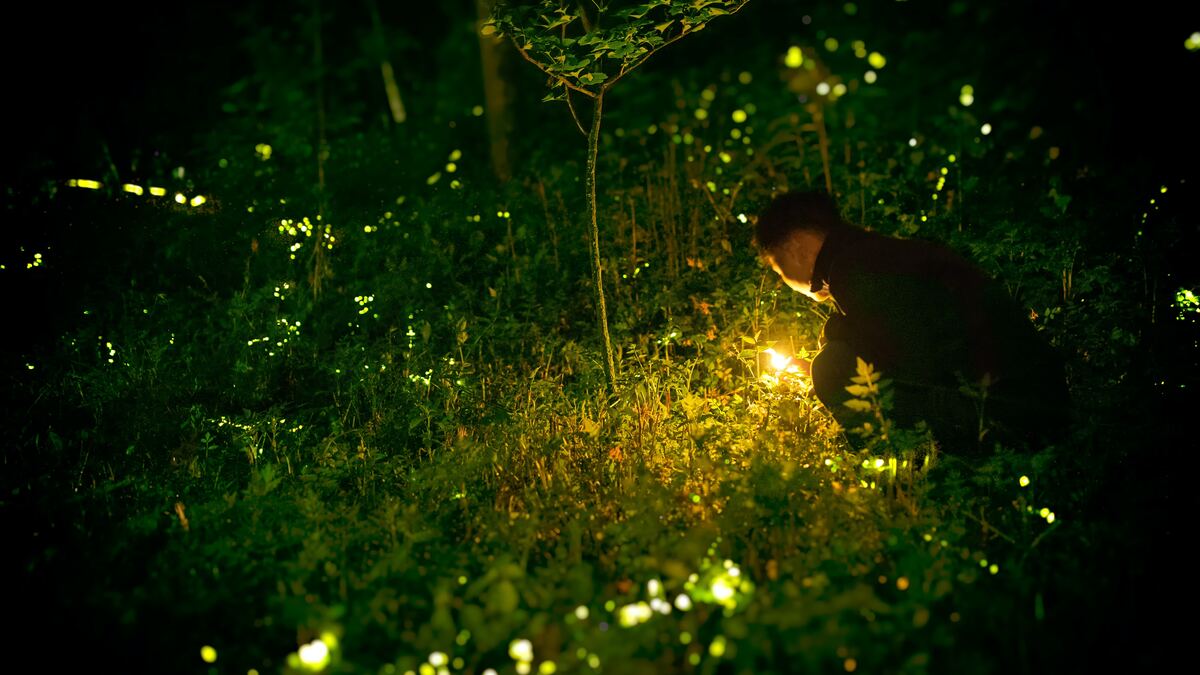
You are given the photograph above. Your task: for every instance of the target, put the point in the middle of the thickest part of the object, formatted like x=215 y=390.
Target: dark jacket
x=932 y=323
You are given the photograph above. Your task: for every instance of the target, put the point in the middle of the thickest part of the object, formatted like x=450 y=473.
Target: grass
x=419 y=469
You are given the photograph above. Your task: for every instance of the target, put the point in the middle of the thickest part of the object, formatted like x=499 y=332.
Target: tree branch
x=566 y=83
x=574 y=115
x=609 y=84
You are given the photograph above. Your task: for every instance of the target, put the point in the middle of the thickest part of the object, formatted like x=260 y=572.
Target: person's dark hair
x=794 y=212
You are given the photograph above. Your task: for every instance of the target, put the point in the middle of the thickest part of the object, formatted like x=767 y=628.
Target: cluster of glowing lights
x=966 y=95
x=364 y=303
x=1187 y=305
x=521 y=651
x=138 y=190
x=720 y=584
x=263 y=151
x=286 y=330
x=316 y=655
x=36 y=262
x=1045 y=513
x=305 y=228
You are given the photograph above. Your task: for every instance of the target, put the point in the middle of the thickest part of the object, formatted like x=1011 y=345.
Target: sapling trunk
x=610 y=370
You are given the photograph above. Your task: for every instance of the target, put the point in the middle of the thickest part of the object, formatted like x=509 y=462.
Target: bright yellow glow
x=902 y=583
x=455 y=155
x=521 y=650
x=132 y=189
x=831 y=44
x=179 y=198
x=794 y=58
x=157 y=191
x=434 y=178
x=1024 y=481
x=85 y=183
x=876 y=60
x=208 y=654
x=438 y=659
x=634 y=614
x=701 y=114
x=778 y=361
x=966 y=99
x=739 y=115
x=581 y=612
x=198 y=200
x=823 y=88
x=721 y=590
x=850 y=665
x=314 y=655
x=985 y=129
x=263 y=150
x=717 y=648
x=547 y=668
x=451 y=167
x=870 y=77
x=1193 y=42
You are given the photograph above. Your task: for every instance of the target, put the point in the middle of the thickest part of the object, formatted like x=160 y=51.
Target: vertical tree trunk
x=395 y=103
x=320 y=265
x=498 y=94
x=601 y=311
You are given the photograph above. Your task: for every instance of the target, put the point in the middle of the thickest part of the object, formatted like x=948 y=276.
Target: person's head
x=789 y=235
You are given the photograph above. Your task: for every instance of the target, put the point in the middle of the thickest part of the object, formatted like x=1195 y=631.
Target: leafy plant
x=580 y=55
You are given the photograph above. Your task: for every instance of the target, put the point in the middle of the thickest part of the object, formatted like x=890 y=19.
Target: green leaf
x=857 y=405
x=859 y=390
x=594 y=77
x=562 y=20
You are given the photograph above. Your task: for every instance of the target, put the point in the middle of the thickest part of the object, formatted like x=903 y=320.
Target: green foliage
x=418 y=461
x=589 y=52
